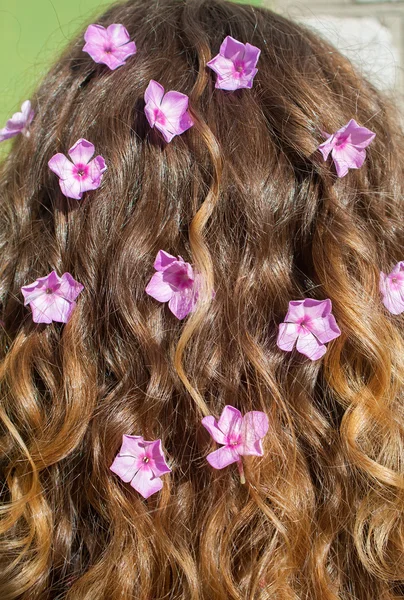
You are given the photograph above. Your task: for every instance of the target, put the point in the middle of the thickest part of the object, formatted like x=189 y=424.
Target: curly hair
x=245 y=196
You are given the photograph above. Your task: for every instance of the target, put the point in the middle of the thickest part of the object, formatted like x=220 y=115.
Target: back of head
x=245 y=196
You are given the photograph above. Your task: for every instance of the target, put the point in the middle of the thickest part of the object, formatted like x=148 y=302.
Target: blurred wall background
x=369 y=32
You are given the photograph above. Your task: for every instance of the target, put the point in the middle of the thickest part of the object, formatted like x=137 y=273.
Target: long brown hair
x=246 y=198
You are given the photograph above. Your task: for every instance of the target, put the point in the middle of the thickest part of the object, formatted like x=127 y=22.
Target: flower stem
x=241 y=471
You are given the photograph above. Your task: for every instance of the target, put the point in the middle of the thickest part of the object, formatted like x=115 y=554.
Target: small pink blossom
x=52 y=298
x=175 y=283
x=310 y=324
x=392 y=289
x=19 y=122
x=167 y=112
x=235 y=64
x=110 y=46
x=347 y=147
x=141 y=464
x=240 y=436
x=81 y=175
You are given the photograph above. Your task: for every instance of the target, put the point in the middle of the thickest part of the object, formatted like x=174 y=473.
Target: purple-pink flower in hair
x=52 y=298
x=235 y=64
x=19 y=122
x=82 y=174
x=310 y=324
x=239 y=436
x=110 y=46
x=167 y=112
x=347 y=146
x=175 y=283
x=392 y=289
x=141 y=464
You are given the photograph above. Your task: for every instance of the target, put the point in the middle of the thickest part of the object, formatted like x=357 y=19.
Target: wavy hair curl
x=245 y=197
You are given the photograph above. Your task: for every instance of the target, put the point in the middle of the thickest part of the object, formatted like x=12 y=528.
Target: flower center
x=233 y=440
x=178 y=278
x=239 y=68
x=146 y=459
x=49 y=291
x=342 y=142
x=80 y=171
x=394 y=280
x=108 y=49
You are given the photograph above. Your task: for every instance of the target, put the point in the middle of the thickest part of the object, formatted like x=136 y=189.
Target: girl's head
x=244 y=196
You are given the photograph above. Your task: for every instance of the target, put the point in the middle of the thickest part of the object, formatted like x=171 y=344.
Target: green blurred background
x=32 y=35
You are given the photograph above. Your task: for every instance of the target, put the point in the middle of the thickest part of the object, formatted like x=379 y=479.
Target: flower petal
x=158 y=289
x=295 y=311
x=154 y=94
x=393 y=300
x=308 y=345
x=315 y=309
x=174 y=105
x=287 y=336
x=33 y=290
x=360 y=137
x=230 y=421
x=118 y=56
x=160 y=465
x=118 y=34
x=132 y=445
x=211 y=425
x=325 y=328
x=6 y=134
x=69 y=287
x=71 y=188
x=125 y=467
x=61 y=165
x=81 y=152
x=96 y=169
x=26 y=110
x=255 y=427
x=95 y=35
x=398 y=268
x=251 y=56
x=326 y=147
x=255 y=424
x=164 y=260
x=182 y=303
x=222 y=457
x=49 y=307
x=346 y=158
x=232 y=48
x=145 y=483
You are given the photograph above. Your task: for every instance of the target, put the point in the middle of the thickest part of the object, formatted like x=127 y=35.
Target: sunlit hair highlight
x=245 y=197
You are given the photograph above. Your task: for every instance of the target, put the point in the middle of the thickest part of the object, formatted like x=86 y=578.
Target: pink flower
x=235 y=64
x=81 y=175
x=240 y=436
x=174 y=283
x=141 y=463
x=167 y=112
x=19 y=122
x=52 y=298
x=392 y=289
x=110 y=46
x=347 y=146
x=309 y=323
